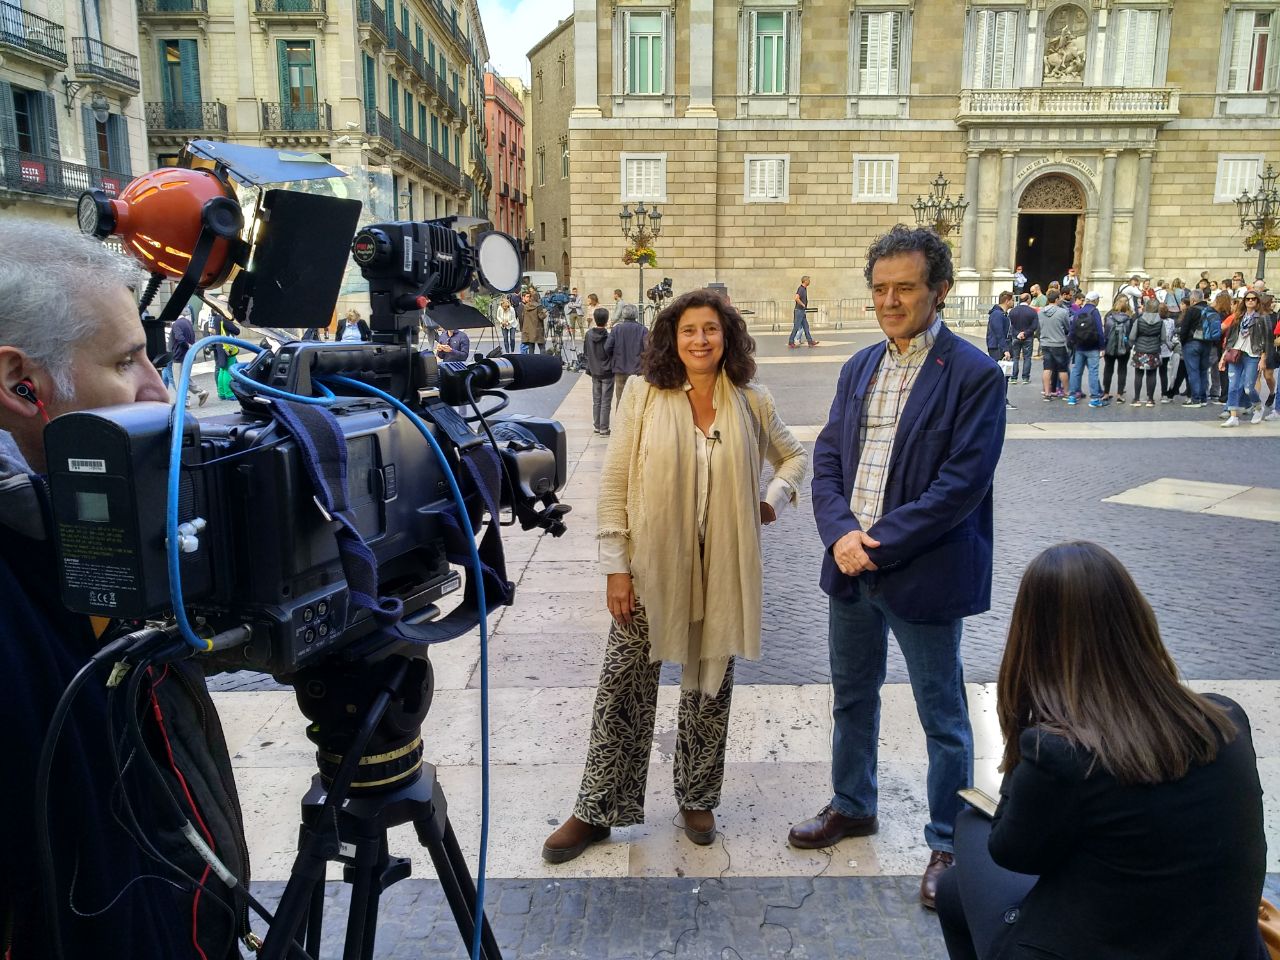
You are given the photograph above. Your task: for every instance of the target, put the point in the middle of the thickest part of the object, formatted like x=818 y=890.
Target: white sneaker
x=1273 y=415
x=1257 y=415
x=1230 y=422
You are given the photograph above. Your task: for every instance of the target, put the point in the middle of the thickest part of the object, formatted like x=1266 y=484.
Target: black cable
x=502 y=405
x=493 y=442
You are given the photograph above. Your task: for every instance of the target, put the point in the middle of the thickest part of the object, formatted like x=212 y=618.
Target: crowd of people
x=1215 y=343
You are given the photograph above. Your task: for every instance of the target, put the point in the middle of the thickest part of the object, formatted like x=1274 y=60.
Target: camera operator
x=70 y=339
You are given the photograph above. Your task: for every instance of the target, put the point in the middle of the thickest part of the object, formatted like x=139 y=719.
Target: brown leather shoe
x=571 y=839
x=939 y=863
x=699 y=826
x=828 y=828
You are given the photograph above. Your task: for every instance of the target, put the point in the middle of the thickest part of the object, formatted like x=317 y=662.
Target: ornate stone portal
x=1064 y=50
x=1052 y=193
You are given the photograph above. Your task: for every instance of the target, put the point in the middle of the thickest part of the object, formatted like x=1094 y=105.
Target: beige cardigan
x=624 y=505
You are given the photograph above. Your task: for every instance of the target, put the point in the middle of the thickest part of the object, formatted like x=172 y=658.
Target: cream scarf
x=703 y=604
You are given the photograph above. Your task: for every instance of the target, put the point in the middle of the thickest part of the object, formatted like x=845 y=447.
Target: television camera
x=661 y=292
x=313 y=534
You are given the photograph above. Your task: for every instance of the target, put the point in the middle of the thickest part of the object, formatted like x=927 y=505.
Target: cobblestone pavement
x=1200 y=573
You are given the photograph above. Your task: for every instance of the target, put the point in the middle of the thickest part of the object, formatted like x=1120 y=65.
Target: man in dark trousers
x=626 y=343
x=902 y=494
x=1000 y=336
x=597 y=349
x=182 y=337
x=800 y=316
x=1024 y=324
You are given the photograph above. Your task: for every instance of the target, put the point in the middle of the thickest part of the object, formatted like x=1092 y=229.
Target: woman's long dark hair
x=661 y=364
x=1085 y=661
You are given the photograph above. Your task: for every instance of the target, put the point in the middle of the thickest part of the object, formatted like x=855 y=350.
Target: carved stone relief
x=1064 y=48
x=1053 y=191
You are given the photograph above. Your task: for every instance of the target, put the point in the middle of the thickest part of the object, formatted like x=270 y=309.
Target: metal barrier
x=851 y=313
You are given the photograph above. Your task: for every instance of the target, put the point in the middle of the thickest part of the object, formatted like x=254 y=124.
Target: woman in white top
x=506 y=319
x=679 y=527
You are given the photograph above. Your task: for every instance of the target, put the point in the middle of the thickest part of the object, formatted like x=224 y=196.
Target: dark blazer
x=935 y=531
x=1128 y=872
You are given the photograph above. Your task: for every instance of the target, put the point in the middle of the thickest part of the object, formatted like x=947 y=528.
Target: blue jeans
x=1022 y=349
x=799 y=324
x=1196 y=358
x=509 y=340
x=1243 y=383
x=1078 y=361
x=859 y=642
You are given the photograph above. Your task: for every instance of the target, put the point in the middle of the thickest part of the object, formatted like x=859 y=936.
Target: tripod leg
x=315 y=920
x=459 y=888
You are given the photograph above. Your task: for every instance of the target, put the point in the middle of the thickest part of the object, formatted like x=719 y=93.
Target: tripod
x=350 y=823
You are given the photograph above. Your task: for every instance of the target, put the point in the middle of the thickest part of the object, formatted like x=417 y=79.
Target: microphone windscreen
x=534 y=370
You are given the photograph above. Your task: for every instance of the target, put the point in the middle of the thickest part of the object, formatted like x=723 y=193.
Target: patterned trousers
x=612 y=791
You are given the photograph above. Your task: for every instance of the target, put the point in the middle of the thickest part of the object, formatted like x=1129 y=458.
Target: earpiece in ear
x=27 y=391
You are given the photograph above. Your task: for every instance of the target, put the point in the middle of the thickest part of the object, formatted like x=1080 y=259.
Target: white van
x=544 y=281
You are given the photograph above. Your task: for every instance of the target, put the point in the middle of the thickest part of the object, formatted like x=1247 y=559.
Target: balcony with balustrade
x=35 y=40
x=106 y=65
x=449 y=28
x=311 y=12
x=400 y=44
x=34 y=176
x=1053 y=106
x=302 y=124
x=167 y=118
x=174 y=13
x=371 y=21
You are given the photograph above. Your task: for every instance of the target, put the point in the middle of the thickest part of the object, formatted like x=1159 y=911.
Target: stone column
x=1004 y=215
x=1141 y=214
x=1106 y=213
x=969 y=228
x=585 y=40
x=701 y=47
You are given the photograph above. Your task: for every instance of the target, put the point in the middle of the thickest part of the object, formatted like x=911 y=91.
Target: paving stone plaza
x=1193 y=511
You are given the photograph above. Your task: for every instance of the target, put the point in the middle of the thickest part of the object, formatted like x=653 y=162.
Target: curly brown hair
x=660 y=363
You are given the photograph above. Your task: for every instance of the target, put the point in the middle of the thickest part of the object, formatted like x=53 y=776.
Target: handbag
x=1234 y=355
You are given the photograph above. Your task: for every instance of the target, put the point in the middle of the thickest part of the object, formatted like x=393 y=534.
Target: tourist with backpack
x=1086 y=339
x=1118 y=333
x=1225 y=304
x=1201 y=327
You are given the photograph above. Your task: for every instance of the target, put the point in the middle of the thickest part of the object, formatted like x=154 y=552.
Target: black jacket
x=598 y=351
x=1129 y=872
x=1023 y=319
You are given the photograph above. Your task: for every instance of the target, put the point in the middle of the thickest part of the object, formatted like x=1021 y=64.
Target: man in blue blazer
x=902 y=495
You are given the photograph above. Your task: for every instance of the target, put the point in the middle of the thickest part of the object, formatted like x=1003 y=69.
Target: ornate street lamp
x=640 y=228
x=937 y=211
x=1260 y=218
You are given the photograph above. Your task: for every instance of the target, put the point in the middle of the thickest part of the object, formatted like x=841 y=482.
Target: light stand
x=939 y=213
x=640 y=229
x=1260 y=215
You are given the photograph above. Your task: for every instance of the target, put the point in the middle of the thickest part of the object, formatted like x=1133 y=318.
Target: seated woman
x=1130 y=810
x=679 y=515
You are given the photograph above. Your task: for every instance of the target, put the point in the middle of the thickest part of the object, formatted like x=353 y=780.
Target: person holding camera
x=680 y=514
x=126 y=884
x=1130 y=817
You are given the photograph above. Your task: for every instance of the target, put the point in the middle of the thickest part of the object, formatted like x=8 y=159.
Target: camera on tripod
x=660 y=291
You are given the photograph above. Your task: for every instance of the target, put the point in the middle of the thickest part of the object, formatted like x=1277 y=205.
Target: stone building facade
x=392 y=95
x=71 y=118
x=779 y=137
x=504 y=116
x=551 y=96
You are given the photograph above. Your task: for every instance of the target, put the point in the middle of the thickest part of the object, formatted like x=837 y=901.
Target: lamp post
x=937 y=211
x=1260 y=216
x=640 y=228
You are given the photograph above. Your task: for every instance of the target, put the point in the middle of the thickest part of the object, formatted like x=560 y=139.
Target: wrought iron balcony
x=370 y=15
x=165 y=9
x=455 y=104
x=403 y=48
x=32 y=37
x=51 y=177
x=379 y=125
x=505 y=191
x=165 y=116
x=1054 y=105
x=307 y=118
x=446 y=170
x=109 y=65
x=285 y=8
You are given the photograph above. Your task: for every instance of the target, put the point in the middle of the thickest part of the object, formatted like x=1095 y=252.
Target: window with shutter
x=875 y=178
x=644 y=176
x=1236 y=174
x=768 y=52
x=1251 y=58
x=370 y=89
x=646 y=57
x=994 y=48
x=766 y=179
x=879 y=52
x=1132 y=39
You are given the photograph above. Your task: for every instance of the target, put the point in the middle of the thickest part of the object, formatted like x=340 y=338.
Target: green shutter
x=118 y=143
x=393 y=100
x=90 y=125
x=422 y=122
x=8 y=123
x=370 y=89
x=166 y=84
x=189 y=57
x=282 y=65
x=391 y=15
x=49 y=108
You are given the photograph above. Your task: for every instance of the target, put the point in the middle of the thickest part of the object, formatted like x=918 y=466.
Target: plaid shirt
x=886 y=396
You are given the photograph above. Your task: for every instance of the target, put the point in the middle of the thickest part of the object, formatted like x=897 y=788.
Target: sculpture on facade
x=1064 y=50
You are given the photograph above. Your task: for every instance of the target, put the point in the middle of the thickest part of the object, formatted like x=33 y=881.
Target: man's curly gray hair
x=52 y=280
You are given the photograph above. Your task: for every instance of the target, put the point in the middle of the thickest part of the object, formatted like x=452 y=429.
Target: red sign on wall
x=33 y=171
x=111 y=186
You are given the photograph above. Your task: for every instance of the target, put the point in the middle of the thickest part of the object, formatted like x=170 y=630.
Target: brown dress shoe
x=699 y=826
x=571 y=839
x=828 y=828
x=939 y=863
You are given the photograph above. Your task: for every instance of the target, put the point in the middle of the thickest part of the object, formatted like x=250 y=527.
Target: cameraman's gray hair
x=628 y=312
x=51 y=280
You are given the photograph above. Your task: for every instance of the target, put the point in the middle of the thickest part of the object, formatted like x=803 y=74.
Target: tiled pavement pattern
x=1219 y=627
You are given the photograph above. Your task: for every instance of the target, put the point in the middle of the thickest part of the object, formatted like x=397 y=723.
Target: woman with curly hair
x=679 y=528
